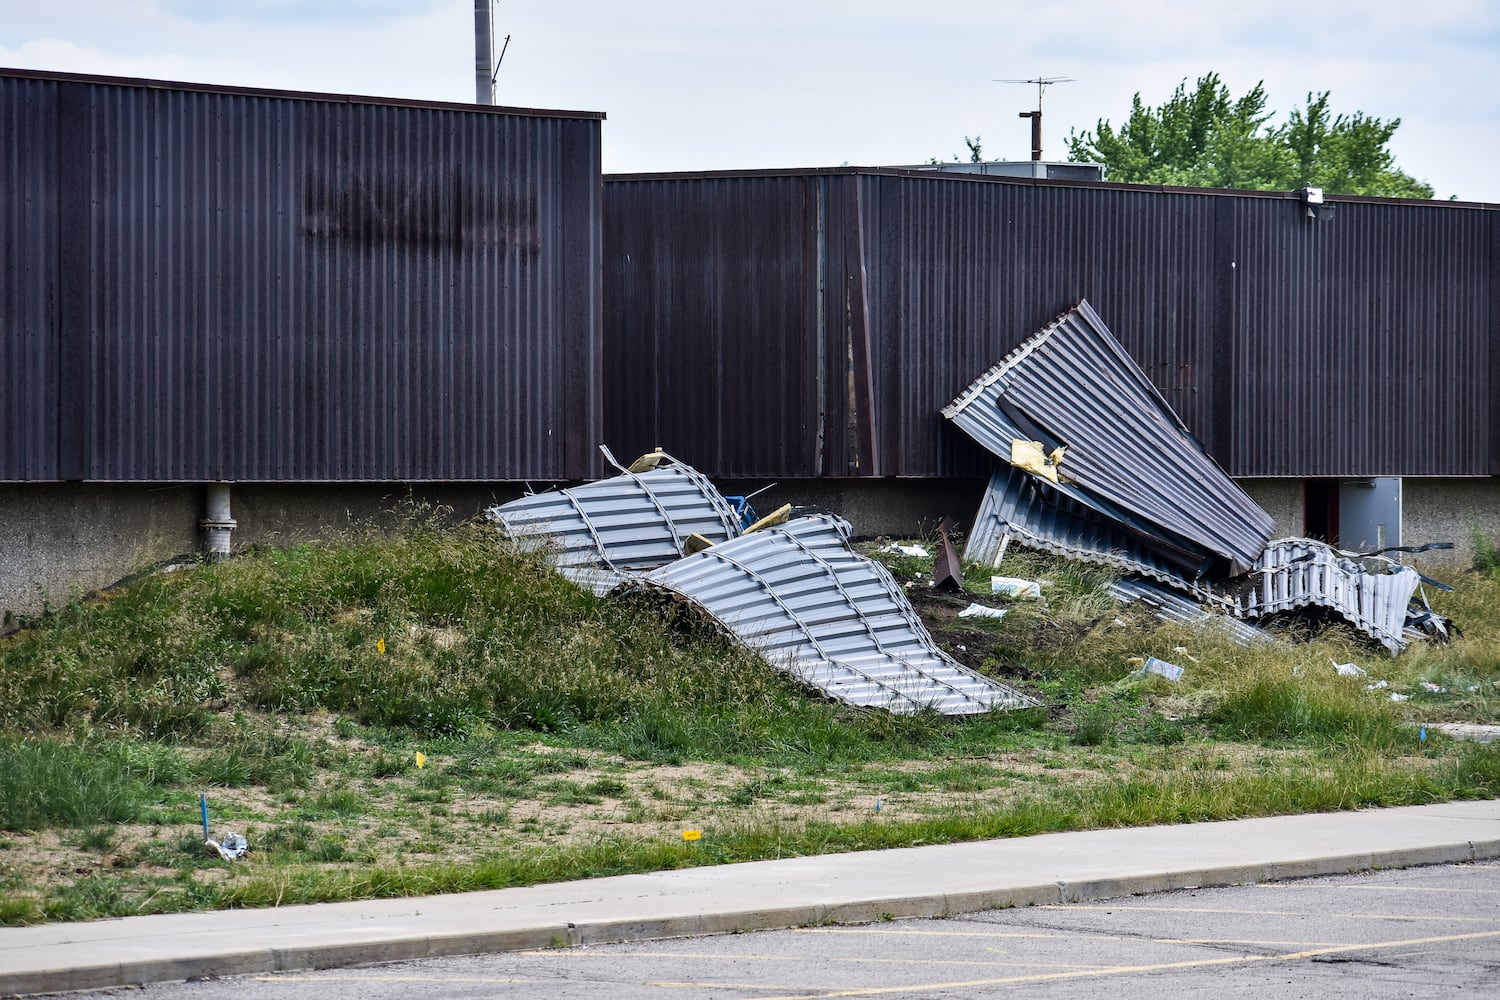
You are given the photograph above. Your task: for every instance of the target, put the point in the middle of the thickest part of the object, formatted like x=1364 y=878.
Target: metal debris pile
x=1097 y=467
x=787 y=586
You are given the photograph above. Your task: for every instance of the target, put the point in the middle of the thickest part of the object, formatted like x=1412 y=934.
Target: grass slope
x=567 y=736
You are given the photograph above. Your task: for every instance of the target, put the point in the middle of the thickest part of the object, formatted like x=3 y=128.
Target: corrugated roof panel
x=1075 y=384
x=1296 y=573
x=1170 y=606
x=1039 y=517
x=604 y=532
x=802 y=598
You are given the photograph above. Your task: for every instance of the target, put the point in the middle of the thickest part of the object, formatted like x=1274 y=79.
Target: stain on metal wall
x=288 y=287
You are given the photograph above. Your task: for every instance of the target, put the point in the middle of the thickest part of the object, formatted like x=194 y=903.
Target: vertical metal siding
x=712 y=334
x=30 y=248
x=1362 y=343
x=298 y=289
x=962 y=273
x=1359 y=346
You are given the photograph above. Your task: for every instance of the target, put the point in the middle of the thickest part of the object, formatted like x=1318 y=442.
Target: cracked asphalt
x=1423 y=932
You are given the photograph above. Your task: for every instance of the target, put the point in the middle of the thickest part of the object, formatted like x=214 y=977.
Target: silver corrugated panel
x=1300 y=572
x=802 y=598
x=1016 y=504
x=1170 y=606
x=603 y=533
x=1128 y=456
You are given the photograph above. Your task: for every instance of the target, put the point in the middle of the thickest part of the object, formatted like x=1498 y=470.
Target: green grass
x=543 y=711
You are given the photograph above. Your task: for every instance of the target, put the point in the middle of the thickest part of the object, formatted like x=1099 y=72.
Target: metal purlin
x=584 y=517
x=698 y=479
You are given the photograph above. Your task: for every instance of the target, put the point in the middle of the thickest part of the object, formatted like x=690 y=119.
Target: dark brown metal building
x=812 y=323
x=201 y=283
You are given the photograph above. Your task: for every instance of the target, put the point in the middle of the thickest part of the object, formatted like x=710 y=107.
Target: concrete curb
x=548 y=934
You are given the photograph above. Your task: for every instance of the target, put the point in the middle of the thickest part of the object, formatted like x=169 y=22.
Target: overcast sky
x=711 y=85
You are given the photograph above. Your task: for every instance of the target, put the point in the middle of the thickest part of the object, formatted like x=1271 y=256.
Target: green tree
x=1206 y=138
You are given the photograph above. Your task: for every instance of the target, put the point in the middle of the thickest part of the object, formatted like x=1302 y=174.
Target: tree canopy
x=1206 y=138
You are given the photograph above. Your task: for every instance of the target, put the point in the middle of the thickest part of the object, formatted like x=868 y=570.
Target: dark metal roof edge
x=1056 y=182
x=295 y=95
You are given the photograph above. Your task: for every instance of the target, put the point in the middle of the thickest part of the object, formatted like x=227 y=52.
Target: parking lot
x=1419 y=932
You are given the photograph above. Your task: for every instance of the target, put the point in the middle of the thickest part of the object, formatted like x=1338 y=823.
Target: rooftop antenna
x=1042 y=83
x=484 y=50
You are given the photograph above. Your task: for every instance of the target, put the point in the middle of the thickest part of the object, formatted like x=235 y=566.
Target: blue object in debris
x=742 y=507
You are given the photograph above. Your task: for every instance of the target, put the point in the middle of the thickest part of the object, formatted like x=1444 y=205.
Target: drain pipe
x=218 y=525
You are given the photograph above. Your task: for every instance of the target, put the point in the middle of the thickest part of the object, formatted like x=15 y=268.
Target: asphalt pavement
x=802 y=892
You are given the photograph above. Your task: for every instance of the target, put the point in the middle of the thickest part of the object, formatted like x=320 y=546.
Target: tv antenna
x=1042 y=83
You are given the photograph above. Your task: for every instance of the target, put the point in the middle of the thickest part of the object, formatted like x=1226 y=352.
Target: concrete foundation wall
x=60 y=541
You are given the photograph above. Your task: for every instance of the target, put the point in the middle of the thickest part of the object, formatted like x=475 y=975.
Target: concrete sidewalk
x=921 y=881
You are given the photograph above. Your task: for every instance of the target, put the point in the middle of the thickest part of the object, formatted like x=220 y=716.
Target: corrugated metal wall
x=1352 y=346
x=263 y=287
x=1362 y=343
x=30 y=366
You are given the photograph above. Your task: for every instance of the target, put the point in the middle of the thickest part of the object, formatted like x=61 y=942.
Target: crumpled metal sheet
x=1127 y=456
x=603 y=534
x=801 y=597
x=1016 y=505
x=1296 y=573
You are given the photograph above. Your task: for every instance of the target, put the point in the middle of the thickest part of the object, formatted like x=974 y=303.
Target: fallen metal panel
x=603 y=533
x=1126 y=450
x=1296 y=573
x=1170 y=606
x=801 y=597
x=1017 y=505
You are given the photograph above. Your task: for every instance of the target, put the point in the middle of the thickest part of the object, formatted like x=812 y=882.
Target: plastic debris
x=421 y=760
x=1011 y=586
x=691 y=835
x=230 y=846
x=1423 y=734
x=1347 y=669
x=915 y=549
x=1161 y=668
x=1433 y=688
x=1398 y=696
x=980 y=611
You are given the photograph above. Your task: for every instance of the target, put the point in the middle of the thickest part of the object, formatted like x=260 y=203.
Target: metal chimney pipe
x=484 y=54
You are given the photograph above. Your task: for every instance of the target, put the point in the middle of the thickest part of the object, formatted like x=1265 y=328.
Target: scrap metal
x=800 y=596
x=1113 y=443
x=1098 y=468
x=605 y=533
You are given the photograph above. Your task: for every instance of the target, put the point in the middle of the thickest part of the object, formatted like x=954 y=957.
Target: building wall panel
x=305 y=288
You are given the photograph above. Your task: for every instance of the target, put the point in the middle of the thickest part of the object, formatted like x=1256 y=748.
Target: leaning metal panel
x=1030 y=513
x=1127 y=454
x=802 y=598
x=603 y=533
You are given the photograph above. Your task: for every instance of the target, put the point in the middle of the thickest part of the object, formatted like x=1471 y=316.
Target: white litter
x=1377 y=686
x=1398 y=696
x=1161 y=668
x=980 y=611
x=231 y=846
x=1347 y=669
x=1010 y=586
x=915 y=550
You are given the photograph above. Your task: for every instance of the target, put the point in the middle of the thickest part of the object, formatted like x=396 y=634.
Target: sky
x=708 y=85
